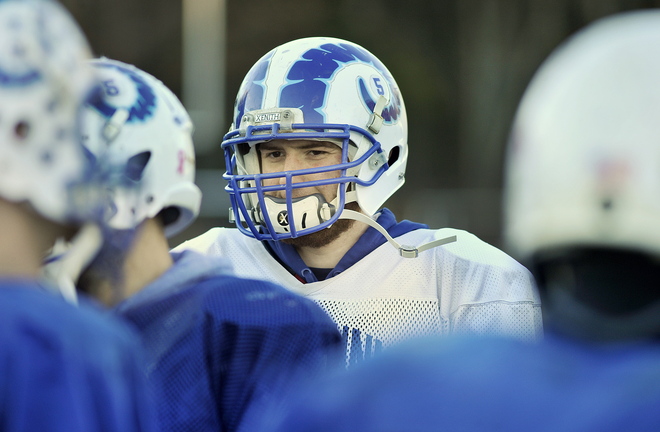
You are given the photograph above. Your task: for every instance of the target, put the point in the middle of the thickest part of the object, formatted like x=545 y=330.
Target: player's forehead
x=296 y=144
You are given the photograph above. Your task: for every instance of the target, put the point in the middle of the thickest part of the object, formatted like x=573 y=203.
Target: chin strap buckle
x=114 y=124
x=408 y=251
x=376 y=120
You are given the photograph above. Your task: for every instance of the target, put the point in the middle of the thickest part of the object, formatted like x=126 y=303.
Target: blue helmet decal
x=253 y=94
x=142 y=108
x=308 y=81
x=311 y=75
x=18 y=76
x=9 y=79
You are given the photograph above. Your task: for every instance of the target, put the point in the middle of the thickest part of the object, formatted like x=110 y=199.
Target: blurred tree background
x=462 y=66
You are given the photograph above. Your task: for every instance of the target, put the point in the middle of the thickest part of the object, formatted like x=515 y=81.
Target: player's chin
x=327 y=235
x=323 y=237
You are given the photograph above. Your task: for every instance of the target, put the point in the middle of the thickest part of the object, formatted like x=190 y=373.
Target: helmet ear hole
x=243 y=149
x=22 y=129
x=169 y=215
x=394 y=155
x=136 y=165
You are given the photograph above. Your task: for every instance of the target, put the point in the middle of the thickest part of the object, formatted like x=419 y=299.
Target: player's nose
x=293 y=163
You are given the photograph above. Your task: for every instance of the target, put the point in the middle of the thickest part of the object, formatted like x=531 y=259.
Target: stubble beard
x=326 y=236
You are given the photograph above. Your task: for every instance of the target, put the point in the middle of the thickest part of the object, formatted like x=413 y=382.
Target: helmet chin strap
x=113 y=126
x=309 y=211
x=404 y=250
x=312 y=210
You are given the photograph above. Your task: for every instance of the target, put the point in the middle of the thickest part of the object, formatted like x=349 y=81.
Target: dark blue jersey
x=67 y=368
x=226 y=348
x=489 y=385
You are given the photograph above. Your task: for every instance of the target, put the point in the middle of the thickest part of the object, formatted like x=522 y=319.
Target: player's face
x=290 y=155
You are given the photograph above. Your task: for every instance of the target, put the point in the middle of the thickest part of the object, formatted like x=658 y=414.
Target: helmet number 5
x=379 y=86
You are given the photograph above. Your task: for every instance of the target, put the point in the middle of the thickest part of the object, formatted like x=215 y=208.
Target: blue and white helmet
x=142 y=132
x=323 y=89
x=43 y=82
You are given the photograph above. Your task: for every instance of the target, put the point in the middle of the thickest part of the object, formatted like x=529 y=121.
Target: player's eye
x=272 y=154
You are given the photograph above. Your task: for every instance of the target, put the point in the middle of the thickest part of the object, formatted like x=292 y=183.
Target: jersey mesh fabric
x=367 y=326
x=67 y=368
x=226 y=348
x=466 y=287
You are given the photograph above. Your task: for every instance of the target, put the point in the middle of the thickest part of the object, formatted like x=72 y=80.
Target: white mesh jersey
x=463 y=287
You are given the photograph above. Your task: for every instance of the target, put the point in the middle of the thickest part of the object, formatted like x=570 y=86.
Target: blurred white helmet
x=139 y=127
x=322 y=89
x=584 y=154
x=43 y=81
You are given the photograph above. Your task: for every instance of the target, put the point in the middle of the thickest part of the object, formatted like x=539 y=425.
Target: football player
x=64 y=367
x=318 y=143
x=582 y=210
x=221 y=348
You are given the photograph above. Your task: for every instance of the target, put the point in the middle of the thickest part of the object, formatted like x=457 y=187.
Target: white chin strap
x=313 y=210
x=309 y=211
x=404 y=250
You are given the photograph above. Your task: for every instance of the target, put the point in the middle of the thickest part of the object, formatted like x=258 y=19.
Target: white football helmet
x=139 y=127
x=43 y=82
x=321 y=89
x=583 y=165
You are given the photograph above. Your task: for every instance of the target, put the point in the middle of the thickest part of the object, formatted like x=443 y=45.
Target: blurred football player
x=582 y=210
x=317 y=145
x=222 y=348
x=64 y=368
